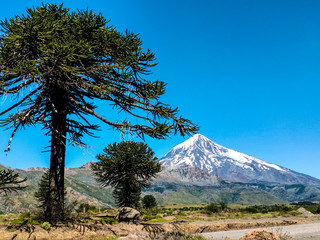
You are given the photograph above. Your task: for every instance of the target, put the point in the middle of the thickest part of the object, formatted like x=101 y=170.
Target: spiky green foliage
x=10 y=181
x=54 y=63
x=76 y=57
x=43 y=196
x=127 y=166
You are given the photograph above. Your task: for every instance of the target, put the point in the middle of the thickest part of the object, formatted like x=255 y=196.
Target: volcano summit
x=233 y=166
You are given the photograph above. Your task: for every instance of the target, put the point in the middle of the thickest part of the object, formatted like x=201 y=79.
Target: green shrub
x=23 y=221
x=17 y=221
x=212 y=208
x=318 y=209
x=223 y=205
x=11 y=229
x=107 y=220
x=157 y=220
x=182 y=213
x=112 y=237
x=251 y=209
x=85 y=207
x=46 y=226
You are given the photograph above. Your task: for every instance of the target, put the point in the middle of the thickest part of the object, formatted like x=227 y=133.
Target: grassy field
x=191 y=214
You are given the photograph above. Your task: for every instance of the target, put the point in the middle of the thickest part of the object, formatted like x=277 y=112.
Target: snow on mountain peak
x=201 y=152
x=201 y=143
x=191 y=141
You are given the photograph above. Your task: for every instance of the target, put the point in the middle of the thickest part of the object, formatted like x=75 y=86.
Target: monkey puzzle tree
x=54 y=63
x=10 y=181
x=127 y=166
x=43 y=195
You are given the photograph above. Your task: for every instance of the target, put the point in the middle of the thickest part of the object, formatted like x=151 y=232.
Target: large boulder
x=304 y=212
x=127 y=214
x=259 y=234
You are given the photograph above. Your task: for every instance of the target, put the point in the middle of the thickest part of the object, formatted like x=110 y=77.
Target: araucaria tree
x=127 y=166
x=43 y=195
x=54 y=63
x=10 y=181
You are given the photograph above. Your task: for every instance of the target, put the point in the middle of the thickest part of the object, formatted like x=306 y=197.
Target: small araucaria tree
x=43 y=195
x=127 y=166
x=54 y=63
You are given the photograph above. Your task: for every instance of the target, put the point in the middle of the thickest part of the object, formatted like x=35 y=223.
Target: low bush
x=23 y=221
x=11 y=229
x=85 y=207
x=46 y=226
x=157 y=220
x=107 y=220
x=212 y=208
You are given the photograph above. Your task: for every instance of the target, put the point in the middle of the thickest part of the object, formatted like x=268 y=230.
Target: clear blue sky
x=247 y=72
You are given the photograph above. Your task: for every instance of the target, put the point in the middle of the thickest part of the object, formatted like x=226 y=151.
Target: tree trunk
x=55 y=209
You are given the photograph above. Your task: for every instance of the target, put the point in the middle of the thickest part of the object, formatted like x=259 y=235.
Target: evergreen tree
x=10 y=181
x=127 y=194
x=149 y=201
x=127 y=166
x=43 y=195
x=55 y=63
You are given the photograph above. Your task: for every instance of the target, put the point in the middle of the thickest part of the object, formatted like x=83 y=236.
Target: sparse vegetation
x=159 y=215
x=86 y=207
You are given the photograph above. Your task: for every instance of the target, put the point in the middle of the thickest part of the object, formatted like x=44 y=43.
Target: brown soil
x=259 y=235
x=87 y=231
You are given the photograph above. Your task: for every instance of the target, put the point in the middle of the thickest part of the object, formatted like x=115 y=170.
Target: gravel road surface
x=296 y=232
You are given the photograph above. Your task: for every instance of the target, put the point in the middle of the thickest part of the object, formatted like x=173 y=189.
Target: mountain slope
x=188 y=175
x=201 y=152
x=174 y=185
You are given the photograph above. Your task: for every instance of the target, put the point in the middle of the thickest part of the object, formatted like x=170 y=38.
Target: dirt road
x=296 y=232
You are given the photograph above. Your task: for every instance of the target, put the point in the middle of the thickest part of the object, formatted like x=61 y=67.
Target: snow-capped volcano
x=231 y=165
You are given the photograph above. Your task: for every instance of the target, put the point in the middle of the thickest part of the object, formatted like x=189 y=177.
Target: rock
x=127 y=214
x=165 y=215
x=136 y=236
x=304 y=212
x=175 y=212
x=259 y=234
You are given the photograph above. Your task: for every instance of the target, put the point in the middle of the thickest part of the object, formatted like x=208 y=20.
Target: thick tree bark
x=57 y=161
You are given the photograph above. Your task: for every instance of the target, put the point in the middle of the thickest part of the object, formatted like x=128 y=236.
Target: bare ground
x=87 y=231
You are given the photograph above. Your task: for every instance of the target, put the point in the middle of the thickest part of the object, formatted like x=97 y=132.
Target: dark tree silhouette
x=10 y=181
x=127 y=166
x=43 y=194
x=54 y=63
